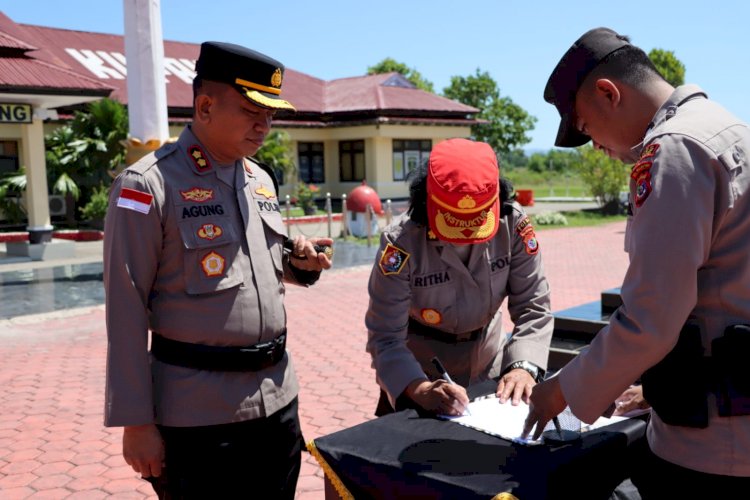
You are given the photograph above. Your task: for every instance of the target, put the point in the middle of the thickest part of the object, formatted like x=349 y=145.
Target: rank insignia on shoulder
x=263 y=190
x=200 y=160
x=393 y=259
x=197 y=194
x=209 y=231
x=213 y=264
x=431 y=316
x=135 y=200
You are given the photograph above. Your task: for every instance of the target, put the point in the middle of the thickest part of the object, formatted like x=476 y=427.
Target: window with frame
x=408 y=154
x=311 y=162
x=8 y=157
x=352 y=160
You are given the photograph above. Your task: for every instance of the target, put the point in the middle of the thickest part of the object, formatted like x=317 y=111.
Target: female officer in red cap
x=441 y=274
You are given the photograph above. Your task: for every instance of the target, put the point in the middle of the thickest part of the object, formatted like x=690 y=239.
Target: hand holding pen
x=445 y=376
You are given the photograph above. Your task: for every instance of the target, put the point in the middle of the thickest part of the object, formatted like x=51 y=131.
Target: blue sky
x=517 y=42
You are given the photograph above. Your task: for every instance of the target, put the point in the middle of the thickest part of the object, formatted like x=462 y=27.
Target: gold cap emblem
x=276 y=78
x=467 y=202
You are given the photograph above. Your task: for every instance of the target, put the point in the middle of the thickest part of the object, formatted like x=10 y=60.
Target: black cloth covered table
x=405 y=455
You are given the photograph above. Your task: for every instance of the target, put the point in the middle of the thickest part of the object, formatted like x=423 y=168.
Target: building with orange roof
x=374 y=127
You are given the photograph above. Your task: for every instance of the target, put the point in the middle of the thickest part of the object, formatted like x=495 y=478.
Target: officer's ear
x=203 y=105
x=606 y=88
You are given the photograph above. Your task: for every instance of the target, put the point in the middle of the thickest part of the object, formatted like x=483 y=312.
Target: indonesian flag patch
x=135 y=200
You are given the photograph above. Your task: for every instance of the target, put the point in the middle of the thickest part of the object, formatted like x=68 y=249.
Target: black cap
x=583 y=56
x=256 y=76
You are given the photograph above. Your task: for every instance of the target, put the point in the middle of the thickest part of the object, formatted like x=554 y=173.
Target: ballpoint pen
x=444 y=375
x=556 y=421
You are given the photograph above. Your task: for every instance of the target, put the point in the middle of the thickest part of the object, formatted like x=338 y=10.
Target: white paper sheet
x=506 y=421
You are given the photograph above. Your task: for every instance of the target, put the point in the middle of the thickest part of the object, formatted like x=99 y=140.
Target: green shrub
x=96 y=207
x=550 y=219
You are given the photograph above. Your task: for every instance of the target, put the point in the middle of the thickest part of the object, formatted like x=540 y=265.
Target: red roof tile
x=12 y=36
x=22 y=74
x=101 y=56
x=387 y=91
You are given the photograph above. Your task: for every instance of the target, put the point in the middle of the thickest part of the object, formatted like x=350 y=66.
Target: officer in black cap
x=196 y=252
x=683 y=328
x=256 y=76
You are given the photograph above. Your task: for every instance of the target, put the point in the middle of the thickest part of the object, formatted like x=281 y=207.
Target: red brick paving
x=53 y=444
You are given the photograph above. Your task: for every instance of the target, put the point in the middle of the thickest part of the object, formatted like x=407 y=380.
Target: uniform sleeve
x=670 y=241
x=132 y=245
x=387 y=321
x=528 y=300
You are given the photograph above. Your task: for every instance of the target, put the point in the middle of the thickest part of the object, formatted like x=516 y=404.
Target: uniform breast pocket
x=436 y=306
x=275 y=230
x=211 y=251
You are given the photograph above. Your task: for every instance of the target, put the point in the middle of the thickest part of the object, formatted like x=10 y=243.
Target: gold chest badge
x=263 y=190
x=197 y=194
x=210 y=231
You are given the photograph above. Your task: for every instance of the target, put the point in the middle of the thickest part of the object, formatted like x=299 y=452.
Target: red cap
x=463 y=187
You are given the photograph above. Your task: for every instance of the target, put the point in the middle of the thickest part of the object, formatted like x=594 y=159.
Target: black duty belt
x=219 y=358
x=449 y=338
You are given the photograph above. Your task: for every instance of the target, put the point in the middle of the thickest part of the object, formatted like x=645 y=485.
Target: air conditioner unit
x=57 y=204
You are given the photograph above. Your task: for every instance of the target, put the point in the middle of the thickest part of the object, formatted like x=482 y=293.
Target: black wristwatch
x=535 y=372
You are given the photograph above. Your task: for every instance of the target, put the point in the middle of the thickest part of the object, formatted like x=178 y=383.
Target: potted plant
x=305 y=195
x=96 y=208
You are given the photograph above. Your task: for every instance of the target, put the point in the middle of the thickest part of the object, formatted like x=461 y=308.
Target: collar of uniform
x=681 y=95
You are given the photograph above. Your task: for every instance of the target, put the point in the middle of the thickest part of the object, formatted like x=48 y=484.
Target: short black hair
x=197 y=85
x=418 y=194
x=630 y=65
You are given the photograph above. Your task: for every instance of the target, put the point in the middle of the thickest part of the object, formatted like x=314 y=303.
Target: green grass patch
x=581 y=218
x=547 y=184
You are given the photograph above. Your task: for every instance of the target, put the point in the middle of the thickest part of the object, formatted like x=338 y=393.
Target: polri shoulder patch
x=393 y=259
x=641 y=174
x=525 y=230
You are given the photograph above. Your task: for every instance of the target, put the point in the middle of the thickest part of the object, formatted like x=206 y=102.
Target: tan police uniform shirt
x=689 y=248
x=193 y=251
x=426 y=280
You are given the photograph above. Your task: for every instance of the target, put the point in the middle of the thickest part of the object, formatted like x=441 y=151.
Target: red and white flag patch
x=135 y=200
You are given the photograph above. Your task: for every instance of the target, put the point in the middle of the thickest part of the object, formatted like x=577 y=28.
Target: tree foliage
x=506 y=122
x=669 y=66
x=277 y=153
x=605 y=177
x=556 y=160
x=83 y=152
x=389 y=65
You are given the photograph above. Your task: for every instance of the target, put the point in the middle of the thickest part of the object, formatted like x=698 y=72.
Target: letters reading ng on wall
x=15 y=113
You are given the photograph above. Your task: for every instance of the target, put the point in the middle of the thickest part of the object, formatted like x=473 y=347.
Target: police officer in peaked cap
x=684 y=326
x=195 y=254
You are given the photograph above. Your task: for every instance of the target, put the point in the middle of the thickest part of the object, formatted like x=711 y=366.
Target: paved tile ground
x=53 y=444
